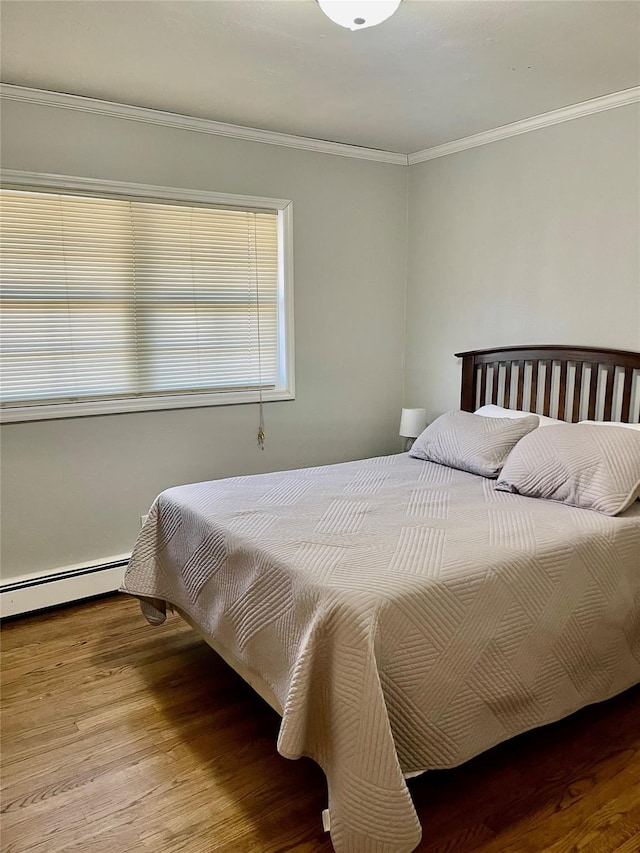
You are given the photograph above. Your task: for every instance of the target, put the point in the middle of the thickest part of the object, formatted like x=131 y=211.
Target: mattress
x=407 y=616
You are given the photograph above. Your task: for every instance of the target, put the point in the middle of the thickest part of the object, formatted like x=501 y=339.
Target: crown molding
x=585 y=108
x=200 y=125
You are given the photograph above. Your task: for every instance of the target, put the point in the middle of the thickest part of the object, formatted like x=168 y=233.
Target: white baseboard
x=61 y=586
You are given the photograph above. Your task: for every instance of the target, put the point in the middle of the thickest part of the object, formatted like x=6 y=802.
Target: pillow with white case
x=491 y=411
x=612 y=423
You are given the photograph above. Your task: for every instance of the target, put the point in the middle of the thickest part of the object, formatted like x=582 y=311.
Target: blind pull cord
x=261 y=432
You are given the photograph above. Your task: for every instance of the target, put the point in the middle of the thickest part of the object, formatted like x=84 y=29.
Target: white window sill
x=53 y=411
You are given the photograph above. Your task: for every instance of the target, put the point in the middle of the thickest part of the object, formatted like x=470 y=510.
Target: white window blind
x=109 y=298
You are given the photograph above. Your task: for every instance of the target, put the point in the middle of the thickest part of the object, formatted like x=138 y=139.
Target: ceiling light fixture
x=358 y=14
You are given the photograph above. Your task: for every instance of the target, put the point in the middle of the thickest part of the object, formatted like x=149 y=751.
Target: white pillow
x=612 y=423
x=491 y=411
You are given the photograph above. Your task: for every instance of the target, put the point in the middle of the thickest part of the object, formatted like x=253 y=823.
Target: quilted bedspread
x=406 y=615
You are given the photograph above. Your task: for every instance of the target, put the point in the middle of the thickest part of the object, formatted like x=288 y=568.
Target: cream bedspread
x=406 y=615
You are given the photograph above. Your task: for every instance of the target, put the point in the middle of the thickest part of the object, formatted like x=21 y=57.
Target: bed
x=402 y=615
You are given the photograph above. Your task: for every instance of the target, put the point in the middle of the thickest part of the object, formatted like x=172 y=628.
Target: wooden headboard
x=569 y=383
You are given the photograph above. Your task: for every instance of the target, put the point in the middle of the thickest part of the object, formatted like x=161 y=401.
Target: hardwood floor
x=117 y=736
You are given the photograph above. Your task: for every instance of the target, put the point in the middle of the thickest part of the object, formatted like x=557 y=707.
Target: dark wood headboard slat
x=535 y=367
x=562 y=391
x=548 y=380
x=483 y=383
x=608 y=396
x=507 y=386
x=603 y=380
x=496 y=380
x=577 y=392
x=626 y=393
x=593 y=390
x=520 y=392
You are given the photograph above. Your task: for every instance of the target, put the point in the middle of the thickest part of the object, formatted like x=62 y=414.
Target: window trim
x=285 y=385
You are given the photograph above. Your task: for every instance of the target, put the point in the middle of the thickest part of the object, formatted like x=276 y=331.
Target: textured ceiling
x=434 y=72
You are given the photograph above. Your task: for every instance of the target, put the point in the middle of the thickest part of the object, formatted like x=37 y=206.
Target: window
x=118 y=301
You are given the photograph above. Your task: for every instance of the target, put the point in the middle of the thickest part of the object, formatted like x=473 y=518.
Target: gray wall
x=73 y=490
x=534 y=239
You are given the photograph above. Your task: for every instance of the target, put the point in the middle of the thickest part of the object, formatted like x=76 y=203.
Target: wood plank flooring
x=120 y=737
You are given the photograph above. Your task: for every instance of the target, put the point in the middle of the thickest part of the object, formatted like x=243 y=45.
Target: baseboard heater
x=61 y=586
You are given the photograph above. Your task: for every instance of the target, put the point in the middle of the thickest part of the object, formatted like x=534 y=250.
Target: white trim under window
x=160 y=286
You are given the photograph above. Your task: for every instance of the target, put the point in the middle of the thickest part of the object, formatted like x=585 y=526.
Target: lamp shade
x=358 y=14
x=412 y=422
